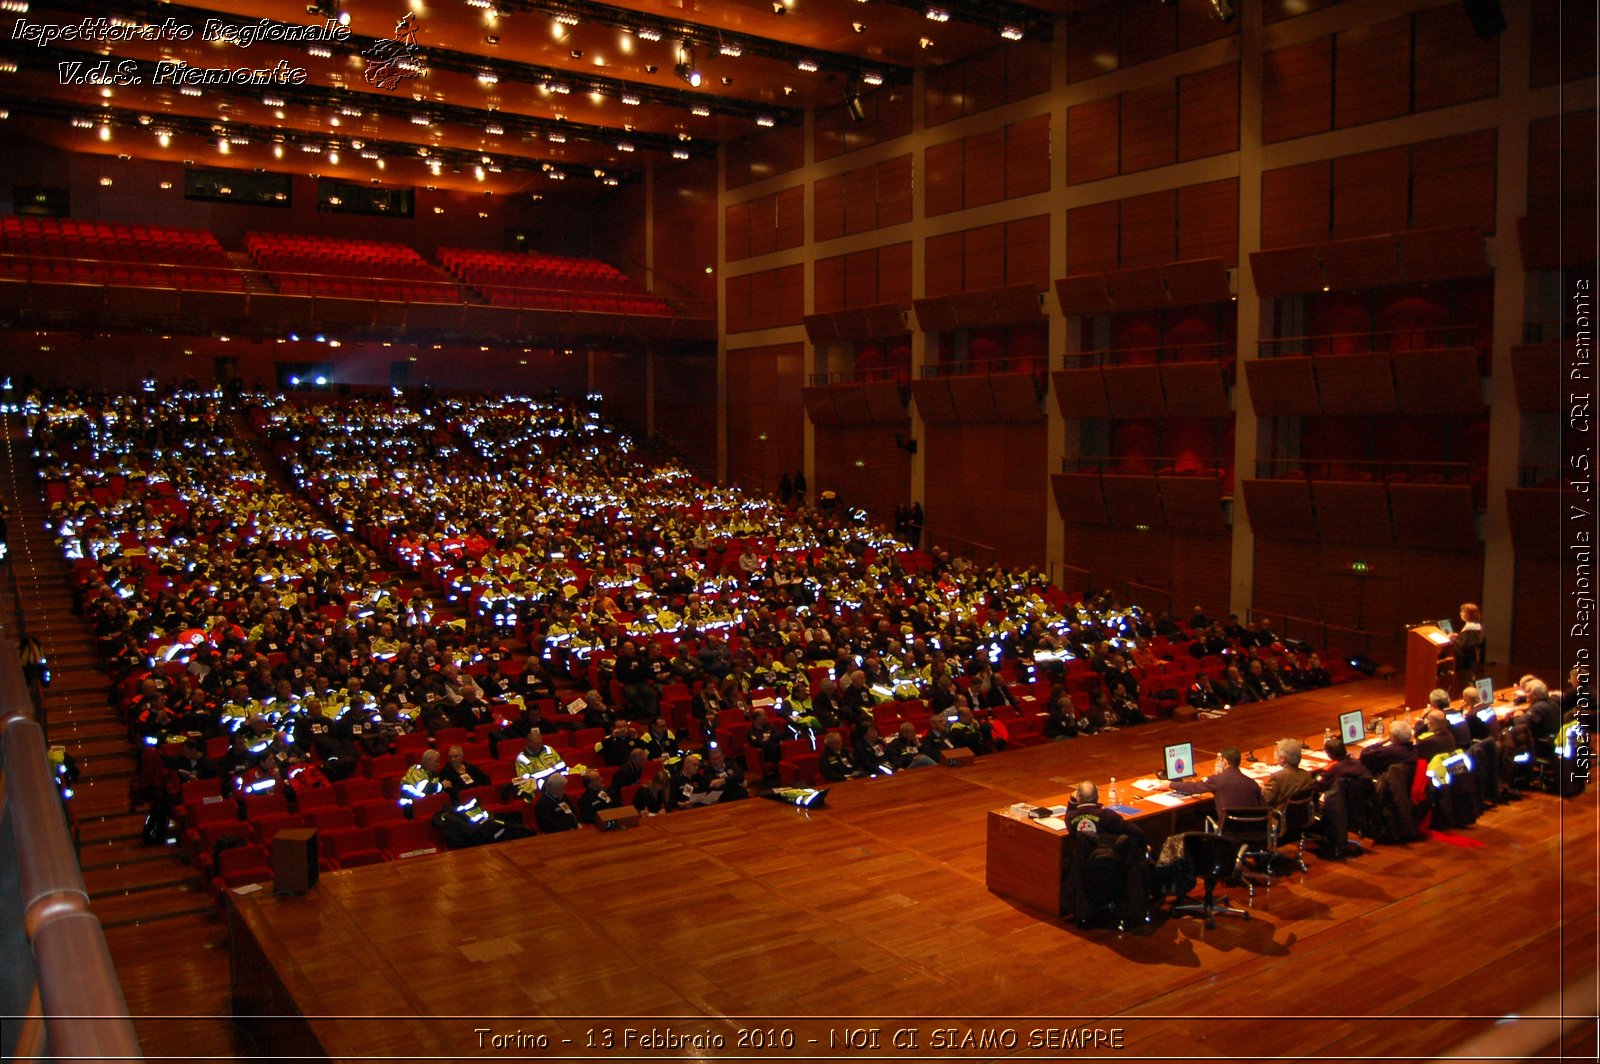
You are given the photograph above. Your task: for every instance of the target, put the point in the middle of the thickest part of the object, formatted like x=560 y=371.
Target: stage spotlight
x=685 y=68
x=1223 y=10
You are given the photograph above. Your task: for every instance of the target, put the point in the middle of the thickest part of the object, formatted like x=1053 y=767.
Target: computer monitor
x=1180 y=761
x=1446 y=627
x=1485 y=688
x=1352 y=728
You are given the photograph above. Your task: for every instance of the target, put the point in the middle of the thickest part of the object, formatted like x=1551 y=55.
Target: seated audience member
x=872 y=753
x=594 y=799
x=631 y=771
x=1314 y=673
x=1229 y=787
x=1541 y=714
x=1340 y=766
x=1290 y=781
x=1102 y=835
x=653 y=798
x=615 y=748
x=459 y=774
x=1061 y=717
x=534 y=764
x=723 y=775
x=421 y=779
x=971 y=733
x=661 y=742
x=1231 y=688
x=905 y=749
x=1261 y=683
x=470 y=824
x=551 y=811
x=937 y=739
x=1398 y=750
x=1484 y=726
x=835 y=764
x=1436 y=737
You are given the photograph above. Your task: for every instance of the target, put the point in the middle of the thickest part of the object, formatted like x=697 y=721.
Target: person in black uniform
x=905 y=749
x=552 y=812
x=594 y=798
x=871 y=752
x=723 y=775
x=1102 y=836
x=615 y=748
x=937 y=738
x=461 y=773
x=836 y=765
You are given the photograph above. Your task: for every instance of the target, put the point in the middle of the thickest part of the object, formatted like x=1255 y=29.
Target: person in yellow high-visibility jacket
x=534 y=764
x=422 y=779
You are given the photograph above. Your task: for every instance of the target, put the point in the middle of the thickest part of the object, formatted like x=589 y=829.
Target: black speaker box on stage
x=294 y=860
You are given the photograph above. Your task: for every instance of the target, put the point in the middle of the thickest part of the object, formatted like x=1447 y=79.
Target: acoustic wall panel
x=1440 y=254
x=1132 y=502
x=1534 y=512
x=1193 y=503
x=1194 y=389
x=1134 y=391
x=1015 y=396
x=1136 y=289
x=1282 y=387
x=1356 y=384
x=1081 y=393
x=1286 y=271
x=1436 y=516
x=934 y=402
x=1537 y=370
x=1083 y=294
x=819 y=404
x=1352 y=513
x=1362 y=263
x=1280 y=509
x=1078 y=498
x=1196 y=282
x=1438 y=381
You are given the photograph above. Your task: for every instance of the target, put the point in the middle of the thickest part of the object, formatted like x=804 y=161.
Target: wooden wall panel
x=764 y=400
x=860 y=200
x=789 y=304
x=1208 y=112
x=1092 y=149
x=943 y=175
x=1295 y=205
x=763 y=225
x=1028 y=251
x=686 y=406
x=827 y=218
x=943 y=257
x=1556 y=169
x=1371 y=193
x=1453 y=64
x=882 y=481
x=1005 y=467
x=1373 y=65
x=1028 y=157
x=894 y=273
x=1356 y=384
x=1149 y=229
x=1092 y=237
x=1535 y=625
x=1198 y=24
x=985 y=251
x=1566 y=32
x=1202 y=571
x=1352 y=513
x=686 y=221
x=736 y=303
x=984 y=168
x=765 y=154
x=1146 y=35
x=1282 y=387
x=1298 y=85
x=861 y=278
x=1093 y=42
x=791 y=221
x=1208 y=221
x=894 y=191
x=1078 y=498
x=1149 y=127
x=736 y=231
x=827 y=280
x=1453 y=181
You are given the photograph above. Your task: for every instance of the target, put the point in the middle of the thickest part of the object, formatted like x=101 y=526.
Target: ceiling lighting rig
x=239 y=134
x=730 y=43
x=1011 y=20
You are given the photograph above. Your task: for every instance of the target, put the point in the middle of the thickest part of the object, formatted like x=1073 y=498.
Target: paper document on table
x=1148 y=785
x=1054 y=823
x=1168 y=800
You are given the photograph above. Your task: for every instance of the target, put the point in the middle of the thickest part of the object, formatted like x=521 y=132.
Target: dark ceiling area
x=504 y=96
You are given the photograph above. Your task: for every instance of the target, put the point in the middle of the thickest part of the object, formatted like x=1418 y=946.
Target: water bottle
x=1379 y=728
x=1111 y=792
x=1327 y=737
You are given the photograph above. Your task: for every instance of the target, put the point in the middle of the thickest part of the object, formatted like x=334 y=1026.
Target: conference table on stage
x=1027 y=858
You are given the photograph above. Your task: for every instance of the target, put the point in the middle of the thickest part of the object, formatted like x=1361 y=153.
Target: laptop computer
x=1180 y=761
x=1352 y=728
x=1446 y=627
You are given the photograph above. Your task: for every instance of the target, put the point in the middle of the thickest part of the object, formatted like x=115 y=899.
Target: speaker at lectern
x=1430 y=663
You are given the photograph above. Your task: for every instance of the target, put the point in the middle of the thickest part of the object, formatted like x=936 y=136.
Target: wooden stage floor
x=872 y=915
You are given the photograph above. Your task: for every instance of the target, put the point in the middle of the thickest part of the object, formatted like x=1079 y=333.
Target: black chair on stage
x=1108 y=882
x=1256 y=828
x=1213 y=858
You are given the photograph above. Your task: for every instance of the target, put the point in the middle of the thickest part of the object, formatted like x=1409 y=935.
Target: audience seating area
x=66 y=250
x=550 y=282
x=358 y=269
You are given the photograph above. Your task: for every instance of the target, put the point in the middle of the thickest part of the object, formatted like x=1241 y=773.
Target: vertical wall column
x=1510 y=306
x=919 y=280
x=650 y=272
x=1061 y=440
x=722 y=313
x=816 y=357
x=1248 y=328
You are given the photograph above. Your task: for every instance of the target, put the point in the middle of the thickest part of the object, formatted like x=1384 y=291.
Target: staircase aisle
x=167 y=944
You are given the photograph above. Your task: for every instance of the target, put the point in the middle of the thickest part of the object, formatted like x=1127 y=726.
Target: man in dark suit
x=1437 y=739
x=1342 y=766
x=594 y=798
x=1230 y=788
x=552 y=812
x=460 y=773
x=1542 y=714
x=1398 y=750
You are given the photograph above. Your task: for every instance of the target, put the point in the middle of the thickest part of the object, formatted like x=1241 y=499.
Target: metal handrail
x=1158 y=464
x=871 y=376
x=1158 y=354
x=1320 y=626
x=1464 y=336
x=986 y=367
x=1324 y=469
x=78 y=996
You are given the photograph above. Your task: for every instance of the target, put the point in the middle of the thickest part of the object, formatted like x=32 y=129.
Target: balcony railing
x=986 y=368
x=1360 y=470
x=1358 y=342
x=1164 y=354
x=864 y=376
x=1141 y=465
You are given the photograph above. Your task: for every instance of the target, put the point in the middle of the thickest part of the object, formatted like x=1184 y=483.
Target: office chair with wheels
x=1213 y=858
x=1256 y=827
x=1296 y=817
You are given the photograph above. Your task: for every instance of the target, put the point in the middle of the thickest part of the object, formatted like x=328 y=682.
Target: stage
x=758 y=930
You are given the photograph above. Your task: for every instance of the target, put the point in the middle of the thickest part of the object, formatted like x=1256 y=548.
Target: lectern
x=1430 y=663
